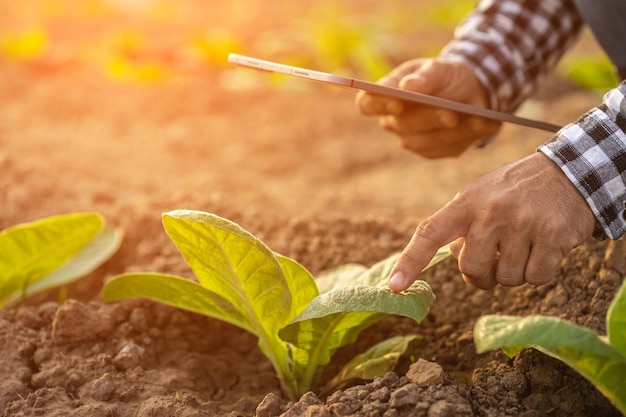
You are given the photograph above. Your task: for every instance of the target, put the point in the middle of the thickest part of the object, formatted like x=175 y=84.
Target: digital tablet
x=370 y=87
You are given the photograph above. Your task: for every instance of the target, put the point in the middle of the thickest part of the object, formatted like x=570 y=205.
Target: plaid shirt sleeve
x=592 y=153
x=512 y=44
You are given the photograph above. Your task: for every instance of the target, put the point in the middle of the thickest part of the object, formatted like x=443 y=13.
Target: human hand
x=511 y=226
x=430 y=131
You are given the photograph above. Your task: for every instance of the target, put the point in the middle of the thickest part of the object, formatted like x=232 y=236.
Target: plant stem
x=288 y=384
x=305 y=383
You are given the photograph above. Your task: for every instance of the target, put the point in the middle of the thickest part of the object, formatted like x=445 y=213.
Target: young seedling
x=242 y=282
x=52 y=252
x=600 y=359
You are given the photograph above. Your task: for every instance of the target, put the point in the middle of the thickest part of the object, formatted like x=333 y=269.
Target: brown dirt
x=299 y=169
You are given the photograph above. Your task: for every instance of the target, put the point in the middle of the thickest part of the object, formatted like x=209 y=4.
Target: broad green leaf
x=301 y=284
x=377 y=360
x=234 y=264
x=353 y=275
x=576 y=346
x=616 y=320
x=316 y=340
x=335 y=319
x=322 y=336
x=176 y=292
x=90 y=257
x=378 y=274
x=240 y=269
x=341 y=276
x=32 y=251
x=414 y=302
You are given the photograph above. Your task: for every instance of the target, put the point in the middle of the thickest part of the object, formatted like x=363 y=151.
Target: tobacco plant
x=299 y=326
x=600 y=359
x=52 y=252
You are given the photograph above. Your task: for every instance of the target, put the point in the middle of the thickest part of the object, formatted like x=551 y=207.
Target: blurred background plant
x=148 y=41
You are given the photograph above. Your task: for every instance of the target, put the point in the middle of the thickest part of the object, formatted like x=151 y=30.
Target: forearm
x=511 y=45
x=592 y=153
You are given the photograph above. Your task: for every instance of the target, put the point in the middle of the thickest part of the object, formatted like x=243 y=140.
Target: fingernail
x=396 y=281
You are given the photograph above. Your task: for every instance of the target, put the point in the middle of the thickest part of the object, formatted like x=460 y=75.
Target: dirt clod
x=407 y=395
x=424 y=373
x=269 y=406
x=75 y=322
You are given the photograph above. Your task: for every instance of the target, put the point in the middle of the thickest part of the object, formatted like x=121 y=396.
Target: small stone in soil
x=269 y=407
x=424 y=373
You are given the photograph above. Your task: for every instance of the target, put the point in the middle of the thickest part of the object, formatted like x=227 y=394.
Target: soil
x=301 y=170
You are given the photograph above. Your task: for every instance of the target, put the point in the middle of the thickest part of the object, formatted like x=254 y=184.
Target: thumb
x=417 y=82
x=425 y=82
x=445 y=226
x=431 y=78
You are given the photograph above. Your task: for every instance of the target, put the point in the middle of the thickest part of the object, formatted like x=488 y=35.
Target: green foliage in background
x=150 y=42
x=449 y=13
x=25 y=45
x=591 y=72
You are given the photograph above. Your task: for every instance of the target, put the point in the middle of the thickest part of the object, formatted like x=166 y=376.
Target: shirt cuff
x=592 y=154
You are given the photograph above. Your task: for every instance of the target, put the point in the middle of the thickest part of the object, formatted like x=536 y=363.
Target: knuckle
x=472 y=269
x=464 y=198
x=509 y=280
x=484 y=283
x=427 y=229
x=541 y=273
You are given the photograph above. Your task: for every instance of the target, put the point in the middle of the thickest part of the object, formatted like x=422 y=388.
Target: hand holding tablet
x=374 y=88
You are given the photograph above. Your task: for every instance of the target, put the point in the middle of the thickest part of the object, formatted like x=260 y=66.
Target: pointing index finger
x=449 y=223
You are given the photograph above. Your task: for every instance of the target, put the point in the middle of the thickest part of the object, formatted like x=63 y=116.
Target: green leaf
x=90 y=257
x=341 y=276
x=335 y=319
x=616 y=320
x=255 y=288
x=352 y=275
x=414 y=302
x=353 y=298
x=576 y=346
x=32 y=251
x=176 y=292
x=377 y=360
x=301 y=284
x=234 y=264
x=241 y=281
x=379 y=273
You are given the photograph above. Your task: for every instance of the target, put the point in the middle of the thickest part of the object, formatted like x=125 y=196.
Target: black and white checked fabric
x=592 y=153
x=512 y=45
